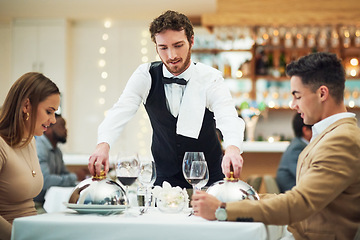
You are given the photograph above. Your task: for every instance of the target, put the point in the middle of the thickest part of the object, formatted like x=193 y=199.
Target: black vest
x=168 y=148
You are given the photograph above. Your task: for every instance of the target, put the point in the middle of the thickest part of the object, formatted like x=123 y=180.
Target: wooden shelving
x=280 y=56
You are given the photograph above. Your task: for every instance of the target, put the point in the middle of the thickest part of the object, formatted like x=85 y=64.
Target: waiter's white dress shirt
x=205 y=88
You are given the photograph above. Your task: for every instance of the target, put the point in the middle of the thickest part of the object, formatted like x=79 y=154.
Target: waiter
x=185 y=101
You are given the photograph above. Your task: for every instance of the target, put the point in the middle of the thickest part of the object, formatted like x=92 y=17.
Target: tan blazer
x=325 y=203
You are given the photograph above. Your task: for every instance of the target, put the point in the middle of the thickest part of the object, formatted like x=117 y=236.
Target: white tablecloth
x=151 y=225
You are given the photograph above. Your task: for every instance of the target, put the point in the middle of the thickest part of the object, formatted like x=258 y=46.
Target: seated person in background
x=324 y=204
x=286 y=173
x=51 y=160
x=29 y=108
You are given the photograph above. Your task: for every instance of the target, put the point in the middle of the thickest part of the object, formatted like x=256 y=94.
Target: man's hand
x=232 y=157
x=99 y=158
x=204 y=205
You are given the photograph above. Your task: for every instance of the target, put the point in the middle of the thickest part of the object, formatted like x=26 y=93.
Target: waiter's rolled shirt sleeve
x=136 y=91
x=220 y=102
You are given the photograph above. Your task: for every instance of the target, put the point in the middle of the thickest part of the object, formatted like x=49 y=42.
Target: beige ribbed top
x=18 y=187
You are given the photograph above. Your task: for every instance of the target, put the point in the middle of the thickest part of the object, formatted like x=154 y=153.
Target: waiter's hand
x=232 y=157
x=99 y=158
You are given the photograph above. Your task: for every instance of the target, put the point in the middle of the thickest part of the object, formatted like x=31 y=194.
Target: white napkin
x=191 y=113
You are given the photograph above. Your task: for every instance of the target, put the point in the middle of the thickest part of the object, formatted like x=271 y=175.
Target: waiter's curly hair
x=171 y=20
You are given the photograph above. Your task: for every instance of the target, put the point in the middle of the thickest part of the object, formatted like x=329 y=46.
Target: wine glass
x=204 y=181
x=147 y=178
x=194 y=168
x=127 y=171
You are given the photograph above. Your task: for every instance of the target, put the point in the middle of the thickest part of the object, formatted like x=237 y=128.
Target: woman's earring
x=27 y=116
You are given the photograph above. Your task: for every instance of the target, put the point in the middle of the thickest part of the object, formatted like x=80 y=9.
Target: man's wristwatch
x=220 y=213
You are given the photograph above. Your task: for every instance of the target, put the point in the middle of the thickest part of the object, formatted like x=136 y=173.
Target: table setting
x=100 y=207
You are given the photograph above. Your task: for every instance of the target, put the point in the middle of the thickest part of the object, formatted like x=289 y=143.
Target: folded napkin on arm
x=193 y=104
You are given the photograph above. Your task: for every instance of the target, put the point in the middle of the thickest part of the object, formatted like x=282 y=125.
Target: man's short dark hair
x=319 y=69
x=171 y=20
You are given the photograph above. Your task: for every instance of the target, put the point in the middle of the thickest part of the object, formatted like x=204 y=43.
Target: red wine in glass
x=194 y=180
x=127 y=181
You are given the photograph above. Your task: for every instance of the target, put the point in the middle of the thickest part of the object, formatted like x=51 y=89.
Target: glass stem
x=146 y=200
x=194 y=189
x=127 y=198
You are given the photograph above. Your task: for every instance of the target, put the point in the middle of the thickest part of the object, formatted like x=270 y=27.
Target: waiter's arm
x=135 y=92
x=232 y=127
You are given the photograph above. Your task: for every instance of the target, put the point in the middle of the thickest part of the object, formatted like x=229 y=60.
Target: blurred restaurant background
x=90 y=48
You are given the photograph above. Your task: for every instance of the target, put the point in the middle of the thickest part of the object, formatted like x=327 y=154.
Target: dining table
x=153 y=224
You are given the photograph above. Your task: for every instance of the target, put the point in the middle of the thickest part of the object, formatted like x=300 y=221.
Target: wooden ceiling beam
x=283 y=12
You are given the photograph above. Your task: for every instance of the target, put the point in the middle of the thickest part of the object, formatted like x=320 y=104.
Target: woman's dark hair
x=171 y=20
x=33 y=86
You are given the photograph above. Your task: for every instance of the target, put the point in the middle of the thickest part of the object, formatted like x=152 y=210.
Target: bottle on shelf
x=357 y=37
x=215 y=63
x=227 y=69
x=261 y=62
x=282 y=64
x=272 y=68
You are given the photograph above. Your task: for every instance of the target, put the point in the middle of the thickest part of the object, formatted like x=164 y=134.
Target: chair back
x=271 y=185
x=357 y=235
x=255 y=181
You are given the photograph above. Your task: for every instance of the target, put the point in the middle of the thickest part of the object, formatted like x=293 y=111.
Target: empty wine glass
x=147 y=178
x=194 y=169
x=204 y=181
x=127 y=171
